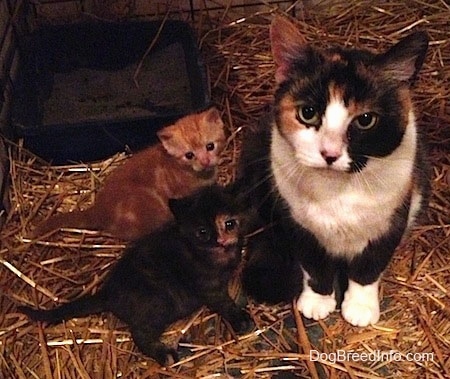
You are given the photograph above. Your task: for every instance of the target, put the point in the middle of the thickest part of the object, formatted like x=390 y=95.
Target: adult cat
x=133 y=199
x=339 y=170
x=169 y=274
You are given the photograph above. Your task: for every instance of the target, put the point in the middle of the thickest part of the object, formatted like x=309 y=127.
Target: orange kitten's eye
x=366 y=121
x=189 y=155
x=210 y=146
x=230 y=225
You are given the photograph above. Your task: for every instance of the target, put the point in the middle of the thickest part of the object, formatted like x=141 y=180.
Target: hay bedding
x=415 y=289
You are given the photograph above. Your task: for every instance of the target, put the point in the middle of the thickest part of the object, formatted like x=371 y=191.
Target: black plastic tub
x=84 y=91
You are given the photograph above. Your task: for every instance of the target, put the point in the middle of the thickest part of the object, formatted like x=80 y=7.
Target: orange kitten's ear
x=212 y=116
x=166 y=136
x=288 y=45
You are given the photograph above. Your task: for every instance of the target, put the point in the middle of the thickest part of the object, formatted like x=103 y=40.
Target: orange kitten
x=134 y=199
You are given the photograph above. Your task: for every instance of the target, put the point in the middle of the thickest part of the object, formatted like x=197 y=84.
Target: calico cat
x=339 y=171
x=133 y=199
x=169 y=274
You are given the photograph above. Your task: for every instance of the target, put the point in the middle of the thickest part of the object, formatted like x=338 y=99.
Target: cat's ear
x=404 y=60
x=288 y=45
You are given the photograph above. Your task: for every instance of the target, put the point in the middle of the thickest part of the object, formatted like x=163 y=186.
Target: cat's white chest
x=344 y=211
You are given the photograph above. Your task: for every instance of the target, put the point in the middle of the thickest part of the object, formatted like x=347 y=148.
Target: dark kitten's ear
x=179 y=207
x=404 y=60
x=288 y=45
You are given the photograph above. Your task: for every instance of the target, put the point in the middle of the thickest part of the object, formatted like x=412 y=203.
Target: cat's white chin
x=361 y=305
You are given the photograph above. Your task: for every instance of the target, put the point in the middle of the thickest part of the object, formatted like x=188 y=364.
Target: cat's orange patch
x=336 y=93
x=288 y=110
x=338 y=58
x=407 y=106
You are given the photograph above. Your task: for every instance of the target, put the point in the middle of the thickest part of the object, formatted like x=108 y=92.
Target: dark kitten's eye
x=189 y=155
x=366 y=121
x=203 y=234
x=230 y=225
x=309 y=115
x=210 y=146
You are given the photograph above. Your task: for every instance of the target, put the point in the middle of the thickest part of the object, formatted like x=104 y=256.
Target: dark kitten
x=339 y=167
x=171 y=273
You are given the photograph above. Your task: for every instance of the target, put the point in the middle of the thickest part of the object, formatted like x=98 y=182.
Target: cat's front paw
x=314 y=305
x=361 y=306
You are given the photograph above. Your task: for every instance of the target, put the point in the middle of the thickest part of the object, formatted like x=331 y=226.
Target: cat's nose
x=330 y=158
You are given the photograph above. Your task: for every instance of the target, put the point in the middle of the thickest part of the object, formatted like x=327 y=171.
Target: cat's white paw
x=361 y=306
x=314 y=305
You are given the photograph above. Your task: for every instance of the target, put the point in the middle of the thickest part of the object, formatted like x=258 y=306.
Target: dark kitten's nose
x=329 y=158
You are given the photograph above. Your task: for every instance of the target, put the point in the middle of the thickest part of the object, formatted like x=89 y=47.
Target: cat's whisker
x=384 y=159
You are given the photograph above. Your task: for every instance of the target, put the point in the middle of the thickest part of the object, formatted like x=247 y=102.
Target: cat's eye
x=210 y=146
x=366 y=121
x=309 y=115
x=189 y=155
x=203 y=234
x=230 y=225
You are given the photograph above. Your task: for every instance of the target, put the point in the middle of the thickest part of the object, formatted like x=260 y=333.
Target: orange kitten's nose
x=205 y=161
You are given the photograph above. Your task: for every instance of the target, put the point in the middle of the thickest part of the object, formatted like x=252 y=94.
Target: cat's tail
x=82 y=307
x=78 y=220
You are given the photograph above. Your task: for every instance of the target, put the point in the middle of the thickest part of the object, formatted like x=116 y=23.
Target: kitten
x=133 y=199
x=169 y=274
x=340 y=169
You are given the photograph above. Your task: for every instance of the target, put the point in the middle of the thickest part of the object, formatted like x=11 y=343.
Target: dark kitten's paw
x=162 y=354
x=167 y=357
x=241 y=322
